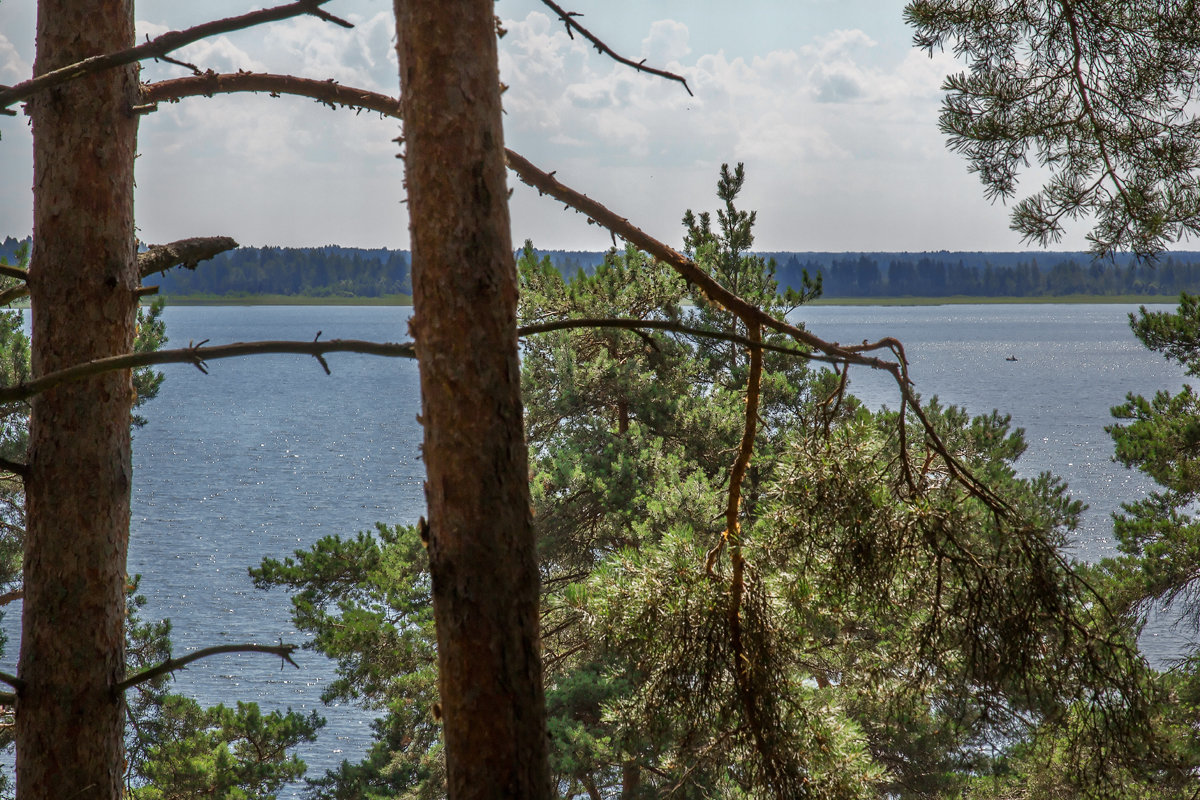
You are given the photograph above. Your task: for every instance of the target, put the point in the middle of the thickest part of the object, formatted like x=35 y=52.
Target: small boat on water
x=1011 y=358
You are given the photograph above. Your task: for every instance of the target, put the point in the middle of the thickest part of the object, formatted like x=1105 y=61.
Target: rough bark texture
x=482 y=555
x=82 y=278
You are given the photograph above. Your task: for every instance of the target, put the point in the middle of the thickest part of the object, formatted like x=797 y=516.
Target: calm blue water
x=265 y=455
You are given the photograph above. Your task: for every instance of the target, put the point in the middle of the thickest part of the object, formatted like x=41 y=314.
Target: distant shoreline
x=405 y=300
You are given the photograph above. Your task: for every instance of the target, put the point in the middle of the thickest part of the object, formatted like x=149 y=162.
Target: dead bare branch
x=329 y=92
x=284 y=651
x=569 y=19
x=186 y=253
x=161 y=45
x=198 y=355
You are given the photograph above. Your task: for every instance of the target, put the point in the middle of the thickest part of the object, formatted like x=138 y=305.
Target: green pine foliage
x=178 y=750
x=1098 y=93
x=896 y=634
x=367 y=602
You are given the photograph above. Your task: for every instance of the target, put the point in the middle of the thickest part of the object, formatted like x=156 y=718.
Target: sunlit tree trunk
x=482 y=555
x=82 y=279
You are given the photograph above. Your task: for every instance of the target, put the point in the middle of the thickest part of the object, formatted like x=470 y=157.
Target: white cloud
x=272 y=161
x=828 y=127
x=666 y=44
x=13 y=68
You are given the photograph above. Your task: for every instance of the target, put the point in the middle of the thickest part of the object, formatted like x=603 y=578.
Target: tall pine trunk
x=82 y=278
x=482 y=554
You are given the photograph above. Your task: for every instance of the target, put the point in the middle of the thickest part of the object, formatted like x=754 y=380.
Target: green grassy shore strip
x=406 y=300
x=281 y=300
x=1073 y=299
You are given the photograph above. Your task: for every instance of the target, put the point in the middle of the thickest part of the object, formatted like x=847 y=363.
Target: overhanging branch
x=284 y=651
x=161 y=45
x=198 y=355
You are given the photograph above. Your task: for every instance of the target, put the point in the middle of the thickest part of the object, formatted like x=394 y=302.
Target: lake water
x=265 y=455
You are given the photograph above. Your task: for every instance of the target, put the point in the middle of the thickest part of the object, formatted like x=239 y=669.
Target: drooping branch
x=161 y=45
x=750 y=314
x=284 y=651
x=569 y=18
x=198 y=355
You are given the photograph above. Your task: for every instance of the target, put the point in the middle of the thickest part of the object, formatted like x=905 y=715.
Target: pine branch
x=198 y=355
x=12 y=680
x=161 y=45
x=186 y=253
x=329 y=92
x=284 y=651
x=569 y=19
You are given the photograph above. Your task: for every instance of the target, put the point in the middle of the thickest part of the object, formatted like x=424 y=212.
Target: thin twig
x=569 y=19
x=284 y=651
x=160 y=46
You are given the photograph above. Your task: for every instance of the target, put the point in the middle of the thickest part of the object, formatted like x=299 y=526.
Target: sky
x=827 y=103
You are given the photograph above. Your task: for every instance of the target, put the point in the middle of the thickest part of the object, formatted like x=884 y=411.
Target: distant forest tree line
x=334 y=271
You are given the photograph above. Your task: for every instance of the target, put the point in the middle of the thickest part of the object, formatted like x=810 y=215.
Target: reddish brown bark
x=482 y=555
x=82 y=278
